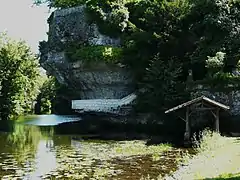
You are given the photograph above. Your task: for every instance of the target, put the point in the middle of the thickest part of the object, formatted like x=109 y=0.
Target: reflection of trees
x=24 y=138
x=24 y=141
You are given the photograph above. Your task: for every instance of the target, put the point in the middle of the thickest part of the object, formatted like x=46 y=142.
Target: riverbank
x=217 y=157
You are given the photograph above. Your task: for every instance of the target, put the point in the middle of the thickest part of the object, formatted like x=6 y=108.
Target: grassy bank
x=217 y=157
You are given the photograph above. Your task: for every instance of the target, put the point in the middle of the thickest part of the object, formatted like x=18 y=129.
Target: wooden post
x=217 y=120
x=188 y=126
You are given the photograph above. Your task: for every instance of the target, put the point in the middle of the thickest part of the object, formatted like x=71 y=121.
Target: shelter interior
x=200 y=104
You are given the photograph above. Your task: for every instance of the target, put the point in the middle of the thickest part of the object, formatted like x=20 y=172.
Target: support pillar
x=188 y=127
x=217 y=120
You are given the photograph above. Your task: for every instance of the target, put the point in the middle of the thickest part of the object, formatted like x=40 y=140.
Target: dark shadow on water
x=99 y=129
x=106 y=130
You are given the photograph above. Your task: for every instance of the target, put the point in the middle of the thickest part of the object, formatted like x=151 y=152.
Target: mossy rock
x=93 y=54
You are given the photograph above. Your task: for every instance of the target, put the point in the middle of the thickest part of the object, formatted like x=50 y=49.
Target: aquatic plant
x=133 y=148
x=85 y=159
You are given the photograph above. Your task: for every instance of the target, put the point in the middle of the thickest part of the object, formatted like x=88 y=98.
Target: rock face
x=70 y=26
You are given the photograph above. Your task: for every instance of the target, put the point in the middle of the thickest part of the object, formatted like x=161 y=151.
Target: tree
x=215 y=27
x=162 y=87
x=174 y=34
x=19 y=78
x=46 y=96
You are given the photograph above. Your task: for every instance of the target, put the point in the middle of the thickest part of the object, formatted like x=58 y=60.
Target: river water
x=33 y=150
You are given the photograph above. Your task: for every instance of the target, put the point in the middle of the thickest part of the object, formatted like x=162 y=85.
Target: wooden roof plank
x=184 y=105
x=188 y=103
x=216 y=103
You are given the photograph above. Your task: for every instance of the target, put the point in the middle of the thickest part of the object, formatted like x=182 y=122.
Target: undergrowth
x=216 y=157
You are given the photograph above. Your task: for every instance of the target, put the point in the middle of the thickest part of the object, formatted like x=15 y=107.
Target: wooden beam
x=189 y=113
x=207 y=104
x=188 y=127
x=197 y=100
x=203 y=109
x=184 y=104
x=214 y=114
x=182 y=118
x=217 y=104
x=217 y=121
x=195 y=105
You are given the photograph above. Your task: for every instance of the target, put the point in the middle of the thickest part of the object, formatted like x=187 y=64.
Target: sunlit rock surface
x=69 y=26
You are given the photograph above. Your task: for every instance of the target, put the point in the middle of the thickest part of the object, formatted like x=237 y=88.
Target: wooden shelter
x=199 y=104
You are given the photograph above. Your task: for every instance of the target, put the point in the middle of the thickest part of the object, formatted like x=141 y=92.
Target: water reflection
x=24 y=138
x=24 y=150
x=43 y=153
x=34 y=152
x=51 y=120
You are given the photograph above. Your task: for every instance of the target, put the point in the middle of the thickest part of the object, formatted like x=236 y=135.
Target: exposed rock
x=68 y=26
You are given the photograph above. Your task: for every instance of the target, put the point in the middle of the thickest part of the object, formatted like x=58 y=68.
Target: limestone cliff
x=101 y=81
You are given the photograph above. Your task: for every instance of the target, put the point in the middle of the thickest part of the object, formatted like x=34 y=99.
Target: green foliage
x=216 y=61
x=214 y=26
x=19 y=78
x=229 y=176
x=201 y=35
x=60 y=3
x=45 y=106
x=110 y=16
x=66 y=3
x=223 y=82
x=54 y=98
x=91 y=54
x=46 y=96
x=155 y=28
x=215 y=64
x=158 y=95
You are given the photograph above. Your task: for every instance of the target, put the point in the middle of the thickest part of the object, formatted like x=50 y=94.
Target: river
x=34 y=149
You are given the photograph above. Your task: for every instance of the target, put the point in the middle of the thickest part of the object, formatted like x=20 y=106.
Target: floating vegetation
x=29 y=154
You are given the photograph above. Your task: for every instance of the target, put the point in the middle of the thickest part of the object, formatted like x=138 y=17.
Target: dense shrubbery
x=208 y=161
x=20 y=78
x=189 y=34
x=24 y=87
x=46 y=96
x=52 y=96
